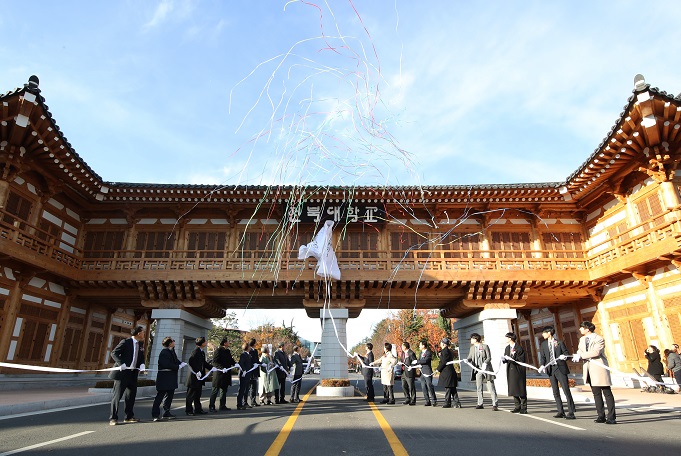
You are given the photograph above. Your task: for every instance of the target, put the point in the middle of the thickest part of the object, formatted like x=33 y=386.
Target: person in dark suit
x=199 y=365
x=255 y=376
x=408 y=375
x=222 y=359
x=557 y=370
x=246 y=364
x=448 y=378
x=368 y=372
x=297 y=365
x=166 y=380
x=281 y=360
x=129 y=357
x=425 y=360
x=515 y=374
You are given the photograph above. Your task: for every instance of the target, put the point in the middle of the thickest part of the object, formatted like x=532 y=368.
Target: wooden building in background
x=83 y=260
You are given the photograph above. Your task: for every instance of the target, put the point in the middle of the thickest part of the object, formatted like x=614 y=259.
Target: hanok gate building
x=82 y=260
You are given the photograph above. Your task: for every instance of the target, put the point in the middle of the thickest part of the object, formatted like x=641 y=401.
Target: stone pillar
x=334 y=359
x=492 y=324
x=181 y=326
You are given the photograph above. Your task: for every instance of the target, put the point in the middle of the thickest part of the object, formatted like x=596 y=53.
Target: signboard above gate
x=336 y=212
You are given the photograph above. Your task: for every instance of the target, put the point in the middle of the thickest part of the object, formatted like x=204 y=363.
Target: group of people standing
x=553 y=357
x=129 y=360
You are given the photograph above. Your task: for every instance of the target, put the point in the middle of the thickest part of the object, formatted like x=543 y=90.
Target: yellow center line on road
x=279 y=442
x=394 y=442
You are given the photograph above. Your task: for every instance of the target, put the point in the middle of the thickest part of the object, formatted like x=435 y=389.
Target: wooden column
x=86 y=333
x=62 y=321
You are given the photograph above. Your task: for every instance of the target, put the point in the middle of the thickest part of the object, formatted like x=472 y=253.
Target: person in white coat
x=388 y=362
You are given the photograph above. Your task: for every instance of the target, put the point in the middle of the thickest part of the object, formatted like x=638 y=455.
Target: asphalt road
x=338 y=426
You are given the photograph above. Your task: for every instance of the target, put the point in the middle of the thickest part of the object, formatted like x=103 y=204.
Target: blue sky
x=364 y=93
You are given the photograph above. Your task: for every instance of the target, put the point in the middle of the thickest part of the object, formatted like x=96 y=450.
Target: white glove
x=562 y=357
x=225 y=370
x=414 y=362
x=123 y=367
x=541 y=369
x=142 y=368
x=198 y=375
x=575 y=358
x=182 y=364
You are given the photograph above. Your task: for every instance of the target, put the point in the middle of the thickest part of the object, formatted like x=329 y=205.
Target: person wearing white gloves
x=166 y=380
x=129 y=358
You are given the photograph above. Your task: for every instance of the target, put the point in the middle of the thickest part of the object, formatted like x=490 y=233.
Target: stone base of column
x=182 y=326
x=492 y=324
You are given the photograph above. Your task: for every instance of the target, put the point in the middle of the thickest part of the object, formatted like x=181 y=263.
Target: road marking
x=549 y=421
x=394 y=442
x=279 y=442
x=38 y=445
x=60 y=409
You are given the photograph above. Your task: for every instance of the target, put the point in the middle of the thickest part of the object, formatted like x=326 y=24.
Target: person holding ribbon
x=166 y=380
x=222 y=377
x=297 y=365
x=515 y=373
x=129 y=357
x=246 y=364
x=269 y=385
x=368 y=371
x=195 y=379
x=425 y=360
x=255 y=376
x=481 y=358
x=552 y=355
x=592 y=351
x=448 y=378
x=388 y=362
x=408 y=374
x=283 y=365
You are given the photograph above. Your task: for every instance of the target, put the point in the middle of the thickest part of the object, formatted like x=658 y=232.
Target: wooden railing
x=662 y=228
x=40 y=242
x=635 y=239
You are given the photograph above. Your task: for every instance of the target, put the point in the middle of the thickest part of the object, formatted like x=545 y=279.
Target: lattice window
x=18 y=206
x=69 y=351
x=650 y=208
x=156 y=244
x=560 y=242
x=93 y=348
x=257 y=244
x=354 y=241
x=672 y=307
x=461 y=245
x=405 y=242
x=103 y=244
x=207 y=244
x=511 y=244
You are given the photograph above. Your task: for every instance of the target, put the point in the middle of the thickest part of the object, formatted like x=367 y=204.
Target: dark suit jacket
x=281 y=359
x=448 y=378
x=255 y=359
x=407 y=358
x=168 y=365
x=297 y=363
x=425 y=359
x=197 y=361
x=246 y=363
x=123 y=354
x=559 y=348
x=222 y=359
x=367 y=372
